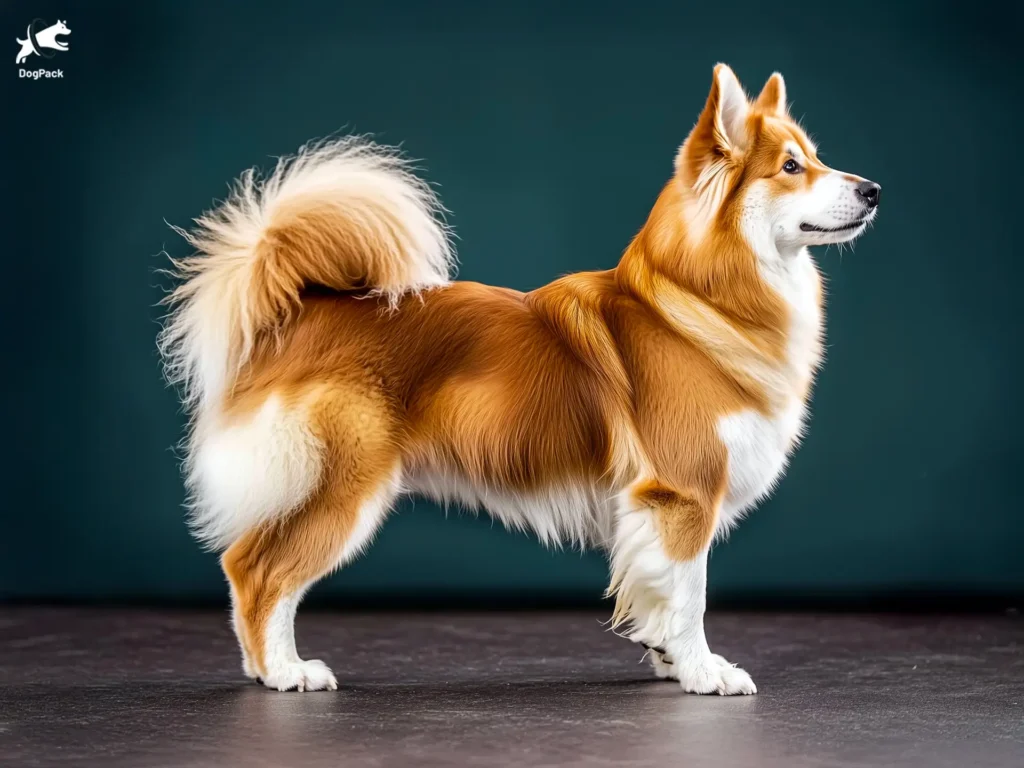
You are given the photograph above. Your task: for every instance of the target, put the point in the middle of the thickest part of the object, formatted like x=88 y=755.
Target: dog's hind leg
x=271 y=566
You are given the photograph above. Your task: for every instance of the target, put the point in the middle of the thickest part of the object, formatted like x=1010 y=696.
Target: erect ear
x=773 y=96
x=731 y=107
x=720 y=127
x=720 y=132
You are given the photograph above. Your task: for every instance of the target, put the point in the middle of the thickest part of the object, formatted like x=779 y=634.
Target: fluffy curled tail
x=346 y=214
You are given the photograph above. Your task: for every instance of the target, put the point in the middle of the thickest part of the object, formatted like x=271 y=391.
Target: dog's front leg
x=659 y=564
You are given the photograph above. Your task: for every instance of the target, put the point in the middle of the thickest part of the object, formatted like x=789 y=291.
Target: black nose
x=869 y=192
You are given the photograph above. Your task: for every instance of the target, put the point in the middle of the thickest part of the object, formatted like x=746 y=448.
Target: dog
x=46 y=38
x=330 y=365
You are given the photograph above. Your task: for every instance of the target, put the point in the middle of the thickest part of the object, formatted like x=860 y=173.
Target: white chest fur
x=759 y=445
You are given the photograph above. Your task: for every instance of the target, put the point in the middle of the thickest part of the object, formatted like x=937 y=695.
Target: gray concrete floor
x=162 y=688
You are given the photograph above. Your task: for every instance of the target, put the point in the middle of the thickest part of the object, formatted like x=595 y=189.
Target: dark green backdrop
x=550 y=131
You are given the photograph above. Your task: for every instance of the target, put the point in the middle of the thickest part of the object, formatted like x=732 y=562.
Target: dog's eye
x=791 y=166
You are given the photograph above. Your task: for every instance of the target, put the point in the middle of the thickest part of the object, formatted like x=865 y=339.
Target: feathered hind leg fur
x=272 y=565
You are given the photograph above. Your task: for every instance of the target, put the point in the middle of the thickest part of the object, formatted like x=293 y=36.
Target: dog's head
x=751 y=166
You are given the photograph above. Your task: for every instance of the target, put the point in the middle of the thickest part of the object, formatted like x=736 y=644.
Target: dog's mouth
x=805 y=227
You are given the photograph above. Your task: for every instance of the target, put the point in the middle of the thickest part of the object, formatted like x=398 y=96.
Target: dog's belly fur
x=577 y=513
x=758 y=449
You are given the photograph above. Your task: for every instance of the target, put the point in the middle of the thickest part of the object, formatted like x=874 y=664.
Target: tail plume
x=347 y=214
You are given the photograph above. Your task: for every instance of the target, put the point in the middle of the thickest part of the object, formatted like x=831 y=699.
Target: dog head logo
x=42 y=40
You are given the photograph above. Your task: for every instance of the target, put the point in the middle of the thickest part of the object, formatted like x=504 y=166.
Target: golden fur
x=613 y=380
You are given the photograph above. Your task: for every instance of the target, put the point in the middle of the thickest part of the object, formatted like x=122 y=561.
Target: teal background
x=550 y=131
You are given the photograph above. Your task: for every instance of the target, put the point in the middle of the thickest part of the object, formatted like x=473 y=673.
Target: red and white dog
x=330 y=366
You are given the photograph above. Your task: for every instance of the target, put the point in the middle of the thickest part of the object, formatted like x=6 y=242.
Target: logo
x=41 y=40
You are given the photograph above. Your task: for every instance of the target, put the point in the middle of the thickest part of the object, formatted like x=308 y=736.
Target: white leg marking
x=696 y=667
x=664 y=601
x=285 y=670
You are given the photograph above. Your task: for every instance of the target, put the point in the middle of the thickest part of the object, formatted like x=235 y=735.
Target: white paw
x=662 y=668
x=721 y=660
x=713 y=674
x=302 y=676
x=666 y=670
